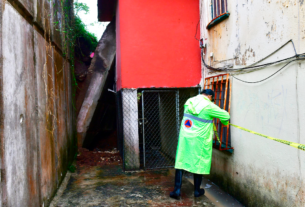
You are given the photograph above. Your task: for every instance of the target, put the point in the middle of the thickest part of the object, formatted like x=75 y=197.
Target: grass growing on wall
x=73 y=28
x=81 y=28
x=81 y=31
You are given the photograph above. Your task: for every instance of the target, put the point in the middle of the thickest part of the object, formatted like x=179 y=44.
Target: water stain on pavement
x=108 y=185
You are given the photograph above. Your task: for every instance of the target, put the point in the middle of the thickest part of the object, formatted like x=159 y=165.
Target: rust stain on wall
x=47 y=143
x=34 y=138
x=218 y=37
x=60 y=94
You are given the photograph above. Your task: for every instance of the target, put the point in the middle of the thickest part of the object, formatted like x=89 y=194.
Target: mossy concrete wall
x=36 y=114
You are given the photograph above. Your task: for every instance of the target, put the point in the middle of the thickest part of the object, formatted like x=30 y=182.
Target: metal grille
x=218 y=7
x=161 y=113
x=148 y=126
x=160 y=128
x=221 y=85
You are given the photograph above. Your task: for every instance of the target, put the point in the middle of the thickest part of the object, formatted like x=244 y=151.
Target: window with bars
x=219 y=11
x=219 y=7
x=221 y=85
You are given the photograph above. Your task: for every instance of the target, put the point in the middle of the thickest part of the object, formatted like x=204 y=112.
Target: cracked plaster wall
x=261 y=172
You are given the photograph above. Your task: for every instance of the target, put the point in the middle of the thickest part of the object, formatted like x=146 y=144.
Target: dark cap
x=208 y=92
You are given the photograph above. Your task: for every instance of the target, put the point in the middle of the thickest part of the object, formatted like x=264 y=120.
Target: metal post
x=143 y=123
x=205 y=84
x=229 y=108
x=224 y=107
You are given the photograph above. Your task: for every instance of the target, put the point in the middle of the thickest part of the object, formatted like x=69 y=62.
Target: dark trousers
x=178 y=183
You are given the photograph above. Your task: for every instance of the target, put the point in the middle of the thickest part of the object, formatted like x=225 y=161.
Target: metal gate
x=160 y=128
x=160 y=118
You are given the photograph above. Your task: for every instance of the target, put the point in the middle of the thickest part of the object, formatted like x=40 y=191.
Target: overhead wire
x=254 y=66
x=295 y=52
x=291 y=59
x=268 y=76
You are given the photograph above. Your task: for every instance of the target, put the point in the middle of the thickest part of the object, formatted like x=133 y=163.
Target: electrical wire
x=268 y=76
x=296 y=57
x=254 y=66
x=295 y=52
x=197 y=30
x=249 y=67
x=245 y=68
x=198 y=23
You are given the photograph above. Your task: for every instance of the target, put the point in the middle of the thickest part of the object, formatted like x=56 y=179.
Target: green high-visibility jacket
x=194 y=152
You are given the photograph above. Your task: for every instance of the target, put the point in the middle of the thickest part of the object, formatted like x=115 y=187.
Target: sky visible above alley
x=90 y=19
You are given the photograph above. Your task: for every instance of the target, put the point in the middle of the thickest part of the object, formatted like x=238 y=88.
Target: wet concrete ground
x=110 y=186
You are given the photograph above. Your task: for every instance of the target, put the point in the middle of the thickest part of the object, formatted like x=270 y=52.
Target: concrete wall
x=261 y=172
x=130 y=129
x=36 y=117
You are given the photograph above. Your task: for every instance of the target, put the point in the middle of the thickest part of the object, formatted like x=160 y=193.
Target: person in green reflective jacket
x=194 y=151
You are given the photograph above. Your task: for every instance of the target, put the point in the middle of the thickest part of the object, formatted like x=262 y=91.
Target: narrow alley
x=108 y=185
x=131 y=103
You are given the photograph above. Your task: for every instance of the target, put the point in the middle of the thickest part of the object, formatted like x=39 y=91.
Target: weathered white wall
x=18 y=106
x=261 y=172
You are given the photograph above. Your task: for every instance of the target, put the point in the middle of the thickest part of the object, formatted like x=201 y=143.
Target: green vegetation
x=72 y=168
x=80 y=28
x=73 y=29
x=81 y=32
x=78 y=7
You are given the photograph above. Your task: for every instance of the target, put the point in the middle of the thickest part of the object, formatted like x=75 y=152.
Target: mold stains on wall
x=37 y=108
x=218 y=36
x=246 y=56
x=237 y=55
x=253 y=186
x=271 y=31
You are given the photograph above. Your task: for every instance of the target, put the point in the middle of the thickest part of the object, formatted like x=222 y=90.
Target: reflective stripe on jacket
x=194 y=151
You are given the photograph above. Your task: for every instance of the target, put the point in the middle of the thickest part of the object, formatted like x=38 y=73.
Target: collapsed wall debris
x=100 y=66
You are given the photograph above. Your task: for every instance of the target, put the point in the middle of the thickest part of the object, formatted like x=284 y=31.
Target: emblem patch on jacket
x=188 y=124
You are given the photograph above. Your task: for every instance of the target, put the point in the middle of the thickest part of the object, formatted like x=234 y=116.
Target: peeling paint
x=260 y=173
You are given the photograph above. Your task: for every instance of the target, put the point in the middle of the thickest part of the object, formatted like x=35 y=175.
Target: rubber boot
x=178 y=184
x=197 y=182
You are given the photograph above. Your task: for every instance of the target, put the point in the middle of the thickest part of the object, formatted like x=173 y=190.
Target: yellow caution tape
x=216 y=133
x=292 y=144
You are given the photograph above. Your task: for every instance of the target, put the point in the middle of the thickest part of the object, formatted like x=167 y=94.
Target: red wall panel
x=156 y=44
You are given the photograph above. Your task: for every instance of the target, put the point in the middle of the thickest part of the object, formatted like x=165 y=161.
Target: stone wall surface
x=43 y=15
x=261 y=172
x=37 y=118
